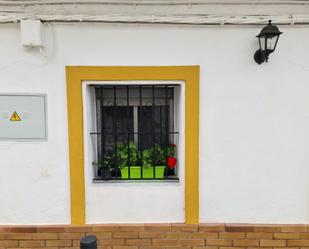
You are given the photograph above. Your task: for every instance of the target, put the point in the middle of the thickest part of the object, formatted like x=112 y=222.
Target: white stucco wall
x=254 y=119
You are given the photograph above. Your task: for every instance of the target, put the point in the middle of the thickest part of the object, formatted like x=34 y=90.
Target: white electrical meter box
x=23 y=117
x=31 y=33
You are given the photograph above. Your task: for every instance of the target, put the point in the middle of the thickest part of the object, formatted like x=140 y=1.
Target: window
x=135 y=136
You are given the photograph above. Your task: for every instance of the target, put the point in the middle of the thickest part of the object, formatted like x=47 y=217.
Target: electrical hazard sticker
x=15 y=117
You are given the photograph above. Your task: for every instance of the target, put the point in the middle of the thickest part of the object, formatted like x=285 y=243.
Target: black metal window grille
x=135 y=137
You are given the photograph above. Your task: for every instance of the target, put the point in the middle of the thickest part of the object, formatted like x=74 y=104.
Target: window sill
x=174 y=179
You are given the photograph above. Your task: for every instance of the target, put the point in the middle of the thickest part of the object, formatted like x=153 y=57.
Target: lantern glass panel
x=271 y=42
x=262 y=43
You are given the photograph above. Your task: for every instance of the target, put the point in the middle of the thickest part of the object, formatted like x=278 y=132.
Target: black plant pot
x=170 y=172
x=105 y=174
x=116 y=173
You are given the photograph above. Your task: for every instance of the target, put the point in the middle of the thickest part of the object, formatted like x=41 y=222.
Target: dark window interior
x=153 y=120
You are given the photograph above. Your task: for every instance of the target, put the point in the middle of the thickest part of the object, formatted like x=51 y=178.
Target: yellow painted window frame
x=75 y=75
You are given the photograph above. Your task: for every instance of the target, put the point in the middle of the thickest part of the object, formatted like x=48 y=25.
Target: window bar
x=115 y=132
x=128 y=140
x=161 y=130
x=166 y=131
x=125 y=133
x=102 y=128
x=139 y=139
x=161 y=122
x=174 y=137
x=153 y=132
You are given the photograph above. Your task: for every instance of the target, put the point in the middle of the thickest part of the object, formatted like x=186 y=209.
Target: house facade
x=150 y=125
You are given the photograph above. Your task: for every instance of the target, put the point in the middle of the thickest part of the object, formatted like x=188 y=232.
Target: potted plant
x=104 y=168
x=149 y=163
x=171 y=160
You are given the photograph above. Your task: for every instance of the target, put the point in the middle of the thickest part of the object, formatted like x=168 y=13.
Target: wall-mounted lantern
x=268 y=39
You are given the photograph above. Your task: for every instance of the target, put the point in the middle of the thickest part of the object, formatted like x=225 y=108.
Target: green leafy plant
x=103 y=164
x=146 y=158
x=171 y=150
x=157 y=153
x=126 y=154
x=105 y=168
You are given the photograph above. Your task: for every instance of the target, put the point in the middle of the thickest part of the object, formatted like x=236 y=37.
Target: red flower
x=171 y=162
x=173 y=145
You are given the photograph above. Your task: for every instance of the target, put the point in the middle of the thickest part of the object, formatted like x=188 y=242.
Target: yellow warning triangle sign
x=15 y=117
